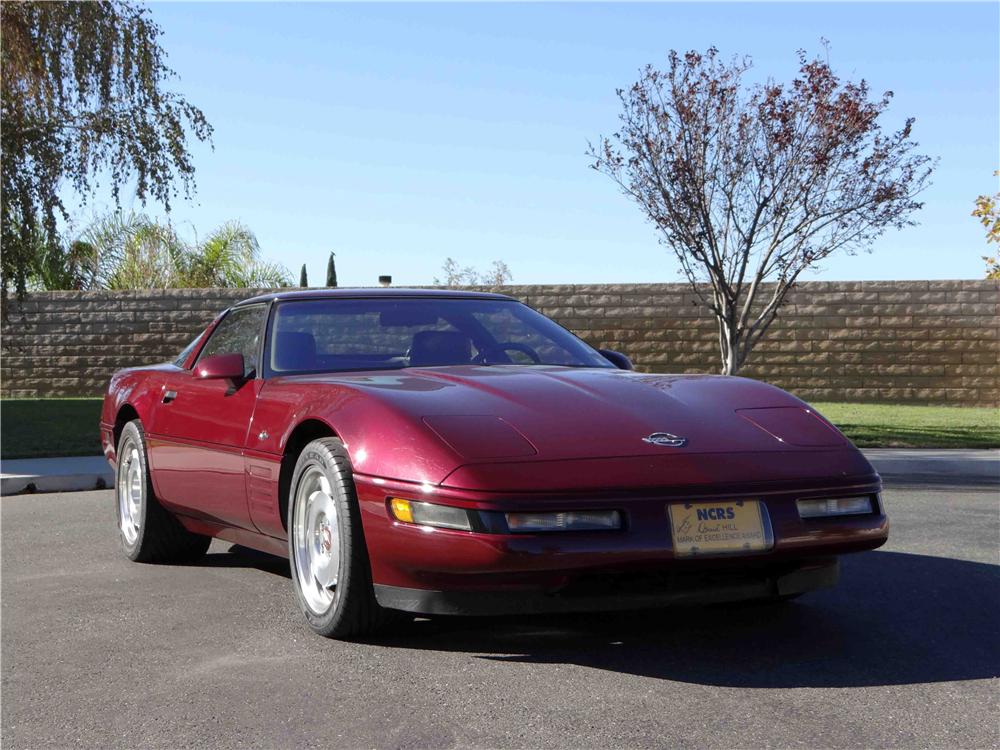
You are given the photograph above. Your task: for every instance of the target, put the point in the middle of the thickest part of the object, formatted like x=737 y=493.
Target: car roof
x=372 y=293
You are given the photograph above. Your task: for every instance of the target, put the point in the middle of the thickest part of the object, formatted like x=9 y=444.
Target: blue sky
x=399 y=135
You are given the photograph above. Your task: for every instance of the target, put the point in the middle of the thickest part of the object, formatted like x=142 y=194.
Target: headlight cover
x=835 y=506
x=420 y=513
x=571 y=520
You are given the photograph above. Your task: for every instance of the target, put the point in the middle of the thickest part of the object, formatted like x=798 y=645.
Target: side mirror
x=618 y=359
x=221 y=366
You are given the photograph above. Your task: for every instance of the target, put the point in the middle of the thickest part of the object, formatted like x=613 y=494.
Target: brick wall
x=935 y=342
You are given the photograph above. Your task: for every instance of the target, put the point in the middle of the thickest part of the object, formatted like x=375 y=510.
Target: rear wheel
x=331 y=572
x=147 y=531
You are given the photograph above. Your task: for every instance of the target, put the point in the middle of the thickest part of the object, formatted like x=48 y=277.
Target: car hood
x=558 y=413
x=555 y=429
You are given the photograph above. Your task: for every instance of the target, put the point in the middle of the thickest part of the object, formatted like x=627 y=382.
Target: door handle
x=169 y=396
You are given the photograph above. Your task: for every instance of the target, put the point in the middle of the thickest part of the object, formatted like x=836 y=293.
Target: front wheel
x=331 y=572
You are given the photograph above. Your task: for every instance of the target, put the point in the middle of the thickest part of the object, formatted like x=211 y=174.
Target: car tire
x=330 y=567
x=147 y=531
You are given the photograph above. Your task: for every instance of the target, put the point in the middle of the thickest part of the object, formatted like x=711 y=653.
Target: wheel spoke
x=316 y=571
x=315 y=540
x=129 y=491
x=326 y=575
x=330 y=511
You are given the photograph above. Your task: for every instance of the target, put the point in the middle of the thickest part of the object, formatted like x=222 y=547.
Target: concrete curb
x=951 y=463
x=70 y=474
x=93 y=472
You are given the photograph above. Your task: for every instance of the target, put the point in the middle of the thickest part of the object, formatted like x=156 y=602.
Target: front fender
x=135 y=389
x=380 y=439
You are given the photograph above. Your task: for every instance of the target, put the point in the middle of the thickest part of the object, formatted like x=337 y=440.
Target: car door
x=199 y=427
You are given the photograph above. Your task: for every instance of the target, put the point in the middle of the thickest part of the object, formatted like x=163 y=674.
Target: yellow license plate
x=719 y=528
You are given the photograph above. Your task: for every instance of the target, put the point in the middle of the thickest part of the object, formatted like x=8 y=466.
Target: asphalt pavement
x=98 y=652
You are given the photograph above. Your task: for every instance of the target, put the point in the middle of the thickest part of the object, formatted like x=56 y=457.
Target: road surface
x=99 y=652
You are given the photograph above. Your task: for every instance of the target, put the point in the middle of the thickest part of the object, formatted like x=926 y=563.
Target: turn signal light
x=402 y=509
x=835 y=506
x=430 y=514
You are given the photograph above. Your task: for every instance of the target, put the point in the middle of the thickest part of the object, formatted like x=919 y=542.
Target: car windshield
x=331 y=335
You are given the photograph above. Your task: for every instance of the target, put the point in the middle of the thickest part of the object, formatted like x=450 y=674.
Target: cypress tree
x=303 y=278
x=331 y=272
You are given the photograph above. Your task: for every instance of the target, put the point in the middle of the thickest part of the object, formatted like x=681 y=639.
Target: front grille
x=672 y=581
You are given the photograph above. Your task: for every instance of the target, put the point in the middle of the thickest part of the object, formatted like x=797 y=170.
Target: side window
x=238 y=333
x=182 y=357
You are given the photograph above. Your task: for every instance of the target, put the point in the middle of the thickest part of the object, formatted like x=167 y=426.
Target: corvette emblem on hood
x=665 y=438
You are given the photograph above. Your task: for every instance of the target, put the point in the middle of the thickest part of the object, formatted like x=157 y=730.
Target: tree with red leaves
x=750 y=185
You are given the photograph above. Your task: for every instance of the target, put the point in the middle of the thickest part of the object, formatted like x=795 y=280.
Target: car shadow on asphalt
x=894 y=619
x=238 y=556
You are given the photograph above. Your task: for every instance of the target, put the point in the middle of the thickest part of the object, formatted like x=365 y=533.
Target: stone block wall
x=930 y=342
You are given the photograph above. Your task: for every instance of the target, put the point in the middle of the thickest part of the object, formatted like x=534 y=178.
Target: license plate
x=719 y=528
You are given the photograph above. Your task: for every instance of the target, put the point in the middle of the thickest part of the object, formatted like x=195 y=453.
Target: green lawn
x=888 y=426
x=33 y=428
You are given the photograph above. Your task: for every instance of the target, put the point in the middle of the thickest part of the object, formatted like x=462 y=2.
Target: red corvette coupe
x=459 y=453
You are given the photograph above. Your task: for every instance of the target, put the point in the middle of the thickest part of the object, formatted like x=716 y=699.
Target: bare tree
x=497 y=274
x=749 y=184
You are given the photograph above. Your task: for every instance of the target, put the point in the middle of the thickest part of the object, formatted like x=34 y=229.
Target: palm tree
x=54 y=266
x=134 y=251
x=230 y=257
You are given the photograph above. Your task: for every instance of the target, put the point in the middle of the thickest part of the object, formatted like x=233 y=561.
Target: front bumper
x=434 y=570
x=620 y=592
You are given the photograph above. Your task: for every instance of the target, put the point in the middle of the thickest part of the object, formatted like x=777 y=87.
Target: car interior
x=309 y=337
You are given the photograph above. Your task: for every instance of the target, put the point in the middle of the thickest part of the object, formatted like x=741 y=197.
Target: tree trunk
x=729 y=347
x=732 y=364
